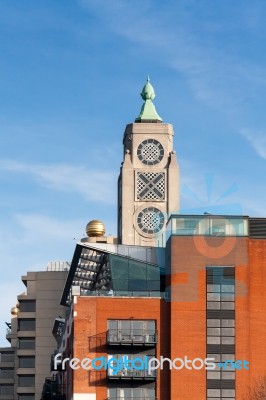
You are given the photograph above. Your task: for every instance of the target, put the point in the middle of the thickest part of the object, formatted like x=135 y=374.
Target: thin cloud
x=257 y=141
x=216 y=75
x=93 y=185
x=47 y=227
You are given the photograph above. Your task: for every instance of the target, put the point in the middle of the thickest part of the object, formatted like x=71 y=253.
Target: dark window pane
x=137 y=284
x=27 y=306
x=153 y=272
x=26 y=396
x=6 y=390
x=121 y=284
x=6 y=373
x=26 y=324
x=137 y=270
x=153 y=285
x=6 y=357
x=26 y=362
x=26 y=380
x=27 y=343
x=119 y=267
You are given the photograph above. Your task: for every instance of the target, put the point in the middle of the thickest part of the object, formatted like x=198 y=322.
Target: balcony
x=132 y=398
x=131 y=337
x=53 y=391
x=126 y=374
x=10 y=335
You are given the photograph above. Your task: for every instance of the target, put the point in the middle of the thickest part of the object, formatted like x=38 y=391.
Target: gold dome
x=14 y=311
x=95 y=228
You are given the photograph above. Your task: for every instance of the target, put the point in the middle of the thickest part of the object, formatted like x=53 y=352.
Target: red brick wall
x=90 y=321
x=189 y=258
x=186 y=334
x=257 y=309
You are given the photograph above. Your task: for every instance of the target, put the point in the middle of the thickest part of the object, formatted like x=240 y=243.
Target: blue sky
x=70 y=77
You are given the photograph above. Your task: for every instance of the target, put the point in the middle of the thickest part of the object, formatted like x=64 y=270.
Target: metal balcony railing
x=52 y=390
x=134 y=374
x=8 y=331
x=131 y=337
x=133 y=398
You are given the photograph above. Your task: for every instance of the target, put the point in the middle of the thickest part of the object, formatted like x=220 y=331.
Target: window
x=26 y=380
x=27 y=306
x=26 y=362
x=6 y=373
x=119 y=366
x=26 y=396
x=130 y=275
x=27 y=324
x=227 y=394
x=221 y=331
x=7 y=356
x=131 y=393
x=132 y=331
x=6 y=390
x=27 y=343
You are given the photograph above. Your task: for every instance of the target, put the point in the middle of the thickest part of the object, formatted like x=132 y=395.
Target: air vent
x=257 y=228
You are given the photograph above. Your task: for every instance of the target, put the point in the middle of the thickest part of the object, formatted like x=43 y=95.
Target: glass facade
x=129 y=275
x=207 y=225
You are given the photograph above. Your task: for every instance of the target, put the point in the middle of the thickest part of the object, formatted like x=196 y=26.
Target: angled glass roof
x=99 y=272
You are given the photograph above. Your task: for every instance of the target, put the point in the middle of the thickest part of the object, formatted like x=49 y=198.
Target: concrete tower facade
x=148 y=174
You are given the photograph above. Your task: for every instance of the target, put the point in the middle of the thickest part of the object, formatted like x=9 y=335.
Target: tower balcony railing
x=131 y=337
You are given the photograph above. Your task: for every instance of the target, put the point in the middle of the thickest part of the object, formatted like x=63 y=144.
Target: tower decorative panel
x=151 y=186
x=150 y=152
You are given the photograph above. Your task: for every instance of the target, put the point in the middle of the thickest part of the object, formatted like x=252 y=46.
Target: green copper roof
x=148 y=111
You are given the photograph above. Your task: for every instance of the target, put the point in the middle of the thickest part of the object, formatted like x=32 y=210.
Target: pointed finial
x=148 y=91
x=148 y=111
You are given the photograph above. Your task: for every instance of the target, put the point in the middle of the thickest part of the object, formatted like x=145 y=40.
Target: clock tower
x=148 y=184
